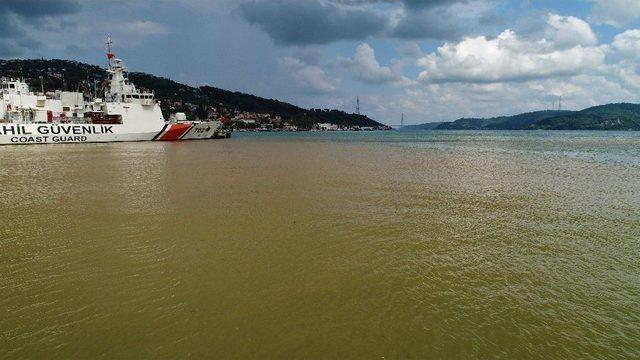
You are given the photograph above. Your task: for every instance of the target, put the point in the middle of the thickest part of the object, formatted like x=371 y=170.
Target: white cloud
x=569 y=31
x=509 y=58
x=627 y=44
x=616 y=12
x=446 y=102
x=365 y=67
x=310 y=78
x=489 y=76
x=410 y=50
x=509 y=74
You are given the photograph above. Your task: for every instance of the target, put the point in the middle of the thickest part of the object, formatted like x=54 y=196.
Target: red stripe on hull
x=175 y=132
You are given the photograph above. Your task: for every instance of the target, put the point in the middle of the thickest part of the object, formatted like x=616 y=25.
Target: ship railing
x=70 y=120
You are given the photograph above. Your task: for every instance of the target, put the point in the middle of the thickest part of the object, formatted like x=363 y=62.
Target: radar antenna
x=110 y=54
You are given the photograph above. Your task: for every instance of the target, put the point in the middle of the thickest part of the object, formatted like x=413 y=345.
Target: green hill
x=197 y=102
x=426 y=126
x=605 y=117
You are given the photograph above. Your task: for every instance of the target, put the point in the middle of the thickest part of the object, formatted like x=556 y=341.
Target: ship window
x=12 y=86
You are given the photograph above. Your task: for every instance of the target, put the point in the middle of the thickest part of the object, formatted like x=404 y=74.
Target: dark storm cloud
x=294 y=22
x=311 y=22
x=16 y=15
x=423 y=4
x=8 y=49
x=411 y=4
x=39 y=8
x=438 y=23
x=432 y=19
x=427 y=4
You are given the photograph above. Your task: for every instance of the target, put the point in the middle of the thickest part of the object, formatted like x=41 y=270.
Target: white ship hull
x=25 y=134
x=125 y=114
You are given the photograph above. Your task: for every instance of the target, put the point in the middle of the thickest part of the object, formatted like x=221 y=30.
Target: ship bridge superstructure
x=120 y=89
x=14 y=87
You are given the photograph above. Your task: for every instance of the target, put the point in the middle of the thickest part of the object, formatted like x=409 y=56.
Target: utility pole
x=402 y=121
x=560 y=104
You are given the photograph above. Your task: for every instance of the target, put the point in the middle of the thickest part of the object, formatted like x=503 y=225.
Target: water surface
x=324 y=245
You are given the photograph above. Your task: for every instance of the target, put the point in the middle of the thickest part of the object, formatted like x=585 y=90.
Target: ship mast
x=116 y=72
x=110 y=54
x=119 y=88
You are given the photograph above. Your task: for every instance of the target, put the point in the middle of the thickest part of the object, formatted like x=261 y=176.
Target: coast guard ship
x=124 y=114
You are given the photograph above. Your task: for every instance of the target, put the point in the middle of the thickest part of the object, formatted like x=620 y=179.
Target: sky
x=433 y=60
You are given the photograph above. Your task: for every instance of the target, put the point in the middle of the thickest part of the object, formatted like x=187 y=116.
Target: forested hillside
x=197 y=102
x=606 y=117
